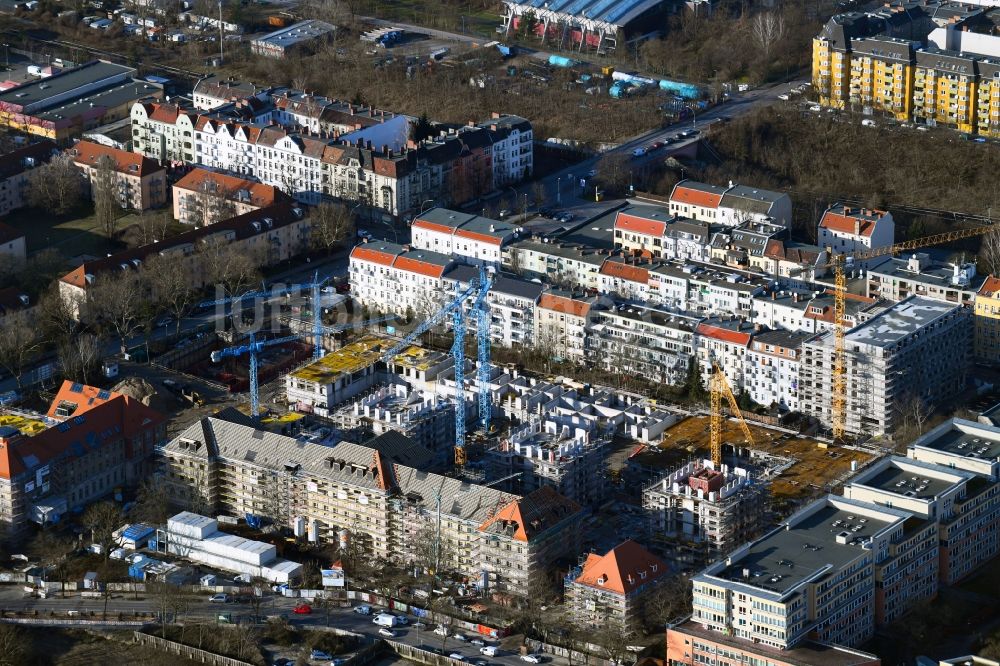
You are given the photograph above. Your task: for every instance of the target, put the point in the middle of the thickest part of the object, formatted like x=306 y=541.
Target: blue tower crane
x=481 y=310
x=254 y=347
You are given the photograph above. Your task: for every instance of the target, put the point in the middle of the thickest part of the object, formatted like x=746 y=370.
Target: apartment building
x=205 y=197
x=896 y=279
x=987 y=321
x=561 y=324
x=730 y=206
x=714 y=509
x=272 y=234
x=214 y=91
x=558 y=263
x=945 y=89
x=723 y=342
x=13 y=250
x=470 y=237
x=917 y=349
x=320 y=385
x=612 y=588
x=797 y=263
x=850 y=230
x=960 y=444
x=139 y=182
x=104 y=443
x=511 y=301
x=362 y=492
x=743 y=244
x=772 y=369
x=643 y=341
x=626 y=278
x=15 y=170
x=388 y=277
x=511 y=148
x=654 y=233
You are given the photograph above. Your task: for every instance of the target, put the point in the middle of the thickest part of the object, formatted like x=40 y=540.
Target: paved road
x=201 y=608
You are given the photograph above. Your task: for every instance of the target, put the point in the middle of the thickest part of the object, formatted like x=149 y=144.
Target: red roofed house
x=106 y=443
x=476 y=238
x=724 y=341
x=625 y=277
x=394 y=278
x=206 y=197
x=611 y=588
x=641 y=229
x=561 y=324
x=850 y=229
x=698 y=201
x=140 y=183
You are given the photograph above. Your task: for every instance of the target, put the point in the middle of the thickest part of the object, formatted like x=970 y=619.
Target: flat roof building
x=301 y=35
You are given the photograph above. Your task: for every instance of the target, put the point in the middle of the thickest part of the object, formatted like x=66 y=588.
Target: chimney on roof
x=471 y=124
x=857 y=226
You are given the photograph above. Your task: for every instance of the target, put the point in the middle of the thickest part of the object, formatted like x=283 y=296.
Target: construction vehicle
x=192 y=396
x=840 y=263
x=719 y=387
x=478 y=288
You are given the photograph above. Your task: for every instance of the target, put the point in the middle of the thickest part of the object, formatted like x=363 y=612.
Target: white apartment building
x=511 y=148
x=215 y=91
x=656 y=233
x=511 y=302
x=388 y=277
x=626 y=278
x=814 y=573
x=724 y=342
x=471 y=237
x=895 y=279
x=561 y=324
x=917 y=349
x=772 y=369
x=558 y=263
x=851 y=230
x=644 y=341
x=731 y=206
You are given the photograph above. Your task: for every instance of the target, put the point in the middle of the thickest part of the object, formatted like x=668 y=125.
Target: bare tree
x=54 y=317
x=56 y=187
x=152 y=504
x=989 y=251
x=14 y=646
x=330 y=224
x=668 y=601
x=614 y=638
x=169 y=281
x=80 y=357
x=233 y=268
x=18 y=344
x=114 y=304
x=53 y=551
x=102 y=519
x=104 y=190
x=212 y=203
x=244 y=642
x=259 y=587
x=767 y=29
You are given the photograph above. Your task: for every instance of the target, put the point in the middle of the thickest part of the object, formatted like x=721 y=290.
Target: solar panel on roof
x=76 y=388
x=78 y=420
x=63 y=427
x=103 y=395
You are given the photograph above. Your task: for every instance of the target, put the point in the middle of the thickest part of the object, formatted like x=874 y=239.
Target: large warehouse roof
x=615 y=12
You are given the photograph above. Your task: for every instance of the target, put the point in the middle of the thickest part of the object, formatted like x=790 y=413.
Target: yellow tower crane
x=719 y=386
x=839 y=397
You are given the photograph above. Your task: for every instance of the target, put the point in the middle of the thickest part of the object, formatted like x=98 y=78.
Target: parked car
x=532 y=658
x=221 y=598
x=457 y=655
x=489 y=650
x=504 y=213
x=657 y=144
x=302 y=609
x=478 y=641
x=419 y=625
x=441 y=630
x=387 y=633
x=460 y=637
x=363 y=609
x=783 y=97
x=815 y=108
x=319 y=655
x=639 y=152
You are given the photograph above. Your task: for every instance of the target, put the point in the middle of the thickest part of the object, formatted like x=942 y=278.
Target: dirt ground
x=815 y=467
x=68 y=647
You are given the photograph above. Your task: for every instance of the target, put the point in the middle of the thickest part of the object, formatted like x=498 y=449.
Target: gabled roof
x=725 y=334
x=374 y=254
x=90 y=154
x=222 y=184
x=990 y=287
x=645 y=220
x=616 y=267
x=693 y=193
x=622 y=569
x=847 y=220
x=529 y=516
x=83 y=396
x=17 y=161
x=564 y=304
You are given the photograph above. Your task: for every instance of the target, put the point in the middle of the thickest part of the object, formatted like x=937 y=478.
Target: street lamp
x=425 y=202
x=559 y=191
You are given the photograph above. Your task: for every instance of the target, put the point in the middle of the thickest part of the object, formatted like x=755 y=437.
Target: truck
x=387 y=620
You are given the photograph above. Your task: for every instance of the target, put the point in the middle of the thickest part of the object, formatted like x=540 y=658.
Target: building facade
x=139 y=183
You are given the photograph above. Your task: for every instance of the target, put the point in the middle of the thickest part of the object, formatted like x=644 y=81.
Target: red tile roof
x=228 y=186
x=724 y=334
x=640 y=225
x=990 y=287
x=625 y=271
x=374 y=256
x=434 y=226
x=476 y=236
x=412 y=265
x=118 y=418
x=83 y=396
x=693 y=197
x=88 y=153
x=623 y=569
x=564 y=304
x=533 y=513
x=855 y=221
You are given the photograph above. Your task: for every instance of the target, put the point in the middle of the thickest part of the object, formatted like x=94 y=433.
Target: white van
x=386 y=620
x=868 y=122
x=489 y=650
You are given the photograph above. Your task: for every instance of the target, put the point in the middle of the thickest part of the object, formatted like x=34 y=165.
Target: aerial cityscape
x=499 y=332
